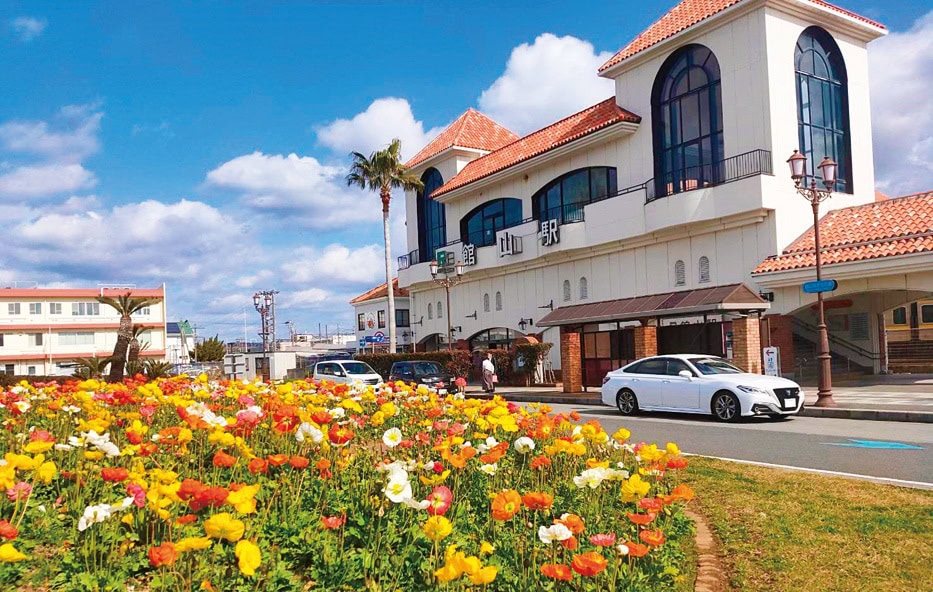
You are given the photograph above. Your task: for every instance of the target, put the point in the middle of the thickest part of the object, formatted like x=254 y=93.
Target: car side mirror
x=686 y=374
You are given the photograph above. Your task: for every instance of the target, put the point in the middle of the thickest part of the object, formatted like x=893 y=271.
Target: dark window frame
x=361 y=322
x=402 y=317
x=899 y=311
x=924 y=318
x=432 y=216
x=381 y=319
x=493 y=215
x=571 y=209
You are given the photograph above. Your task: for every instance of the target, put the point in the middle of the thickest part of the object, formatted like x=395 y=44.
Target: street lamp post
x=449 y=276
x=815 y=195
x=264 y=302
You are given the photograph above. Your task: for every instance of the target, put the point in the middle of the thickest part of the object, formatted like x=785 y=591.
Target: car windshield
x=715 y=366
x=357 y=368
x=427 y=368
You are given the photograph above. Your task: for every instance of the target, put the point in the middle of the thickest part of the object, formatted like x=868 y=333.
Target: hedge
x=457 y=362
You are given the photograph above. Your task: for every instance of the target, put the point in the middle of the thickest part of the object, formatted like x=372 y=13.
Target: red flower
x=603 y=540
x=540 y=462
x=258 y=465
x=8 y=531
x=114 y=474
x=642 y=519
x=557 y=571
x=589 y=564
x=189 y=489
x=651 y=504
x=209 y=497
x=440 y=499
x=537 y=500
x=164 y=554
x=222 y=459
x=332 y=522
x=340 y=435
x=186 y=519
x=298 y=462
x=677 y=463
x=321 y=417
x=654 y=538
x=637 y=549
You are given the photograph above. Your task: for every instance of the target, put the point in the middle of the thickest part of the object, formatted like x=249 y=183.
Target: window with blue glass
x=823 y=105
x=479 y=227
x=686 y=105
x=432 y=222
x=563 y=198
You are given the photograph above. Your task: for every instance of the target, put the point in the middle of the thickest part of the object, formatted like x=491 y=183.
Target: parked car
x=694 y=383
x=345 y=371
x=423 y=372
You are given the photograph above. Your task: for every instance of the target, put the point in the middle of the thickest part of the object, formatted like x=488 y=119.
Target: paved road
x=803 y=442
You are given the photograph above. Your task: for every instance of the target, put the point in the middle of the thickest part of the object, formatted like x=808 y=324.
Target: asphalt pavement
x=899 y=453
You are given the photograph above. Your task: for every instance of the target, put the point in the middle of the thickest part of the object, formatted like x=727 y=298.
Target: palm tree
x=126 y=305
x=384 y=171
x=157 y=369
x=135 y=345
x=90 y=367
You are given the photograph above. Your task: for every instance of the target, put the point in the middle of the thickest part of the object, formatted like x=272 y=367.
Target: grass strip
x=787 y=530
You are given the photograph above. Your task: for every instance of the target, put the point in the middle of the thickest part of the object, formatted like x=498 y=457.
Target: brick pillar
x=646 y=342
x=571 y=363
x=746 y=344
x=781 y=336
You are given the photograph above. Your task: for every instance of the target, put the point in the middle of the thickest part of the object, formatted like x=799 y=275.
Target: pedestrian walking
x=489 y=374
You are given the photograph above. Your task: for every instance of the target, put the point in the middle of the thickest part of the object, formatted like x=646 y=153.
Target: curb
x=711 y=575
x=552 y=399
x=869 y=414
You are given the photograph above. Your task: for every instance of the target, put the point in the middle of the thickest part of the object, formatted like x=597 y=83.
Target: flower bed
x=184 y=483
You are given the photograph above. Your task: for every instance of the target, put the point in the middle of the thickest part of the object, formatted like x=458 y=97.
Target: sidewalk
x=884 y=398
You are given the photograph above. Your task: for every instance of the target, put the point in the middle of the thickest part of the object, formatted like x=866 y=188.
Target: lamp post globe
x=798 y=166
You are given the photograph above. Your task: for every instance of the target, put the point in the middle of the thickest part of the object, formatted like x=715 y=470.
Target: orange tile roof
x=688 y=13
x=591 y=119
x=380 y=292
x=470 y=130
x=896 y=226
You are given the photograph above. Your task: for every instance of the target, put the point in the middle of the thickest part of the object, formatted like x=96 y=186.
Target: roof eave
x=454 y=150
x=846 y=270
x=618 y=128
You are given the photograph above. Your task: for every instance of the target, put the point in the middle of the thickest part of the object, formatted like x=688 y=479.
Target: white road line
x=884 y=480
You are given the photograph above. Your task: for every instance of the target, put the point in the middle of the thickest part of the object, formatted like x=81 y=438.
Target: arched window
x=823 y=105
x=680 y=273
x=564 y=197
x=686 y=106
x=486 y=302
x=583 y=289
x=704 y=269
x=566 y=290
x=432 y=223
x=479 y=227
x=498 y=300
x=430 y=311
x=440 y=310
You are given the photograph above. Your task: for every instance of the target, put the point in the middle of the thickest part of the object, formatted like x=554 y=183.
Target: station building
x=43 y=330
x=663 y=219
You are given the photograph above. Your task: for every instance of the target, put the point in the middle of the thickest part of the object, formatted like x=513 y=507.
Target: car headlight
x=752 y=389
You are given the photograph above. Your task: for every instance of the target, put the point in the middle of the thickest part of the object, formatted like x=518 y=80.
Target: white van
x=346 y=371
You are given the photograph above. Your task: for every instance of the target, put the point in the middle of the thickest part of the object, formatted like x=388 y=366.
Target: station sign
x=508 y=243
x=468 y=255
x=819 y=286
x=550 y=232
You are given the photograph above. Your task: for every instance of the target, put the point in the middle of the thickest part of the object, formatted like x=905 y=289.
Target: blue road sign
x=820 y=286
x=877 y=444
x=370 y=339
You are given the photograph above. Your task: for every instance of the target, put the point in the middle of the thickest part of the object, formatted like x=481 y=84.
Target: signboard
x=820 y=286
x=469 y=254
x=379 y=337
x=550 y=232
x=362 y=343
x=445 y=261
x=370 y=320
x=772 y=357
x=509 y=244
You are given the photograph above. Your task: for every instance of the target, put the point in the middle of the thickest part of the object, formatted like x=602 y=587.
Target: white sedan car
x=695 y=383
x=346 y=371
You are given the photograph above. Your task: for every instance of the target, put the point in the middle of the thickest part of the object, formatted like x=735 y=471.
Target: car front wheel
x=725 y=407
x=627 y=402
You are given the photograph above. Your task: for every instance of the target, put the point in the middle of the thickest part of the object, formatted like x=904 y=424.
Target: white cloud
x=335 y=263
x=384 y=120
x=27 y=28
x=76 y=141
x=311 y=297
x=545 y=81
x=43 y=180
x=308 y=192
x=901 y=70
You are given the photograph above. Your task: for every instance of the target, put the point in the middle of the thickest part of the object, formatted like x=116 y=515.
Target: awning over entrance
x=719 y=299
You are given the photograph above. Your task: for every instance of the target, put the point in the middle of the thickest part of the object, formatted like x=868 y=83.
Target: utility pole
x=264 y=302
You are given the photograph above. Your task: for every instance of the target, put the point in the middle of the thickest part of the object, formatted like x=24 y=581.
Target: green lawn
x=793 y=531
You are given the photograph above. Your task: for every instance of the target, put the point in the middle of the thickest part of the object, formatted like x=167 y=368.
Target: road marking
x=884 y=480
x=852 y=443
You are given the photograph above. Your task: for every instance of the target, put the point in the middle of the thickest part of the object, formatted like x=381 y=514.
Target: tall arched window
x=686 y=105
x=498 y=300
x=566 y=290
x=823 y=105
x=564 y=197
x=430 y=311
x=432 y=222
x=440 y=310
x=479 y=227
x=680 y=273
x=486 y=302
x=583 y=289
x=704 y=269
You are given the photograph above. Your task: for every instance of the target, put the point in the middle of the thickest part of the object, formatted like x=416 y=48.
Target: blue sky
x=150 y=142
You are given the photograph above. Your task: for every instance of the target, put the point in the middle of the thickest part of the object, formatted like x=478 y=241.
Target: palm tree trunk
x=386 y=195
x=135 y=348
x=124 y=336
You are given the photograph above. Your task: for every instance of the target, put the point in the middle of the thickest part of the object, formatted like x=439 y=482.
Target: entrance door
x=605 y=351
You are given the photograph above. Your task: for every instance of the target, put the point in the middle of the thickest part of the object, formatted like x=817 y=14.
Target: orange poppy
x=540 y=462
x=8 y=531
x=257 y=466
x=298 y=462
x=651 y=504
x=164 y=554
x=114 y=474
x=683 y=492
x=277 y=460
x=652 y=537
x=589 y=564
x=573 y=522
x=637 y=549
x=222 y=459
x=332 y=522
x=537 y=500
x=506 y=504
x=570 y=544
x=642 y=519
x=677 y=463
x=557 y=571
